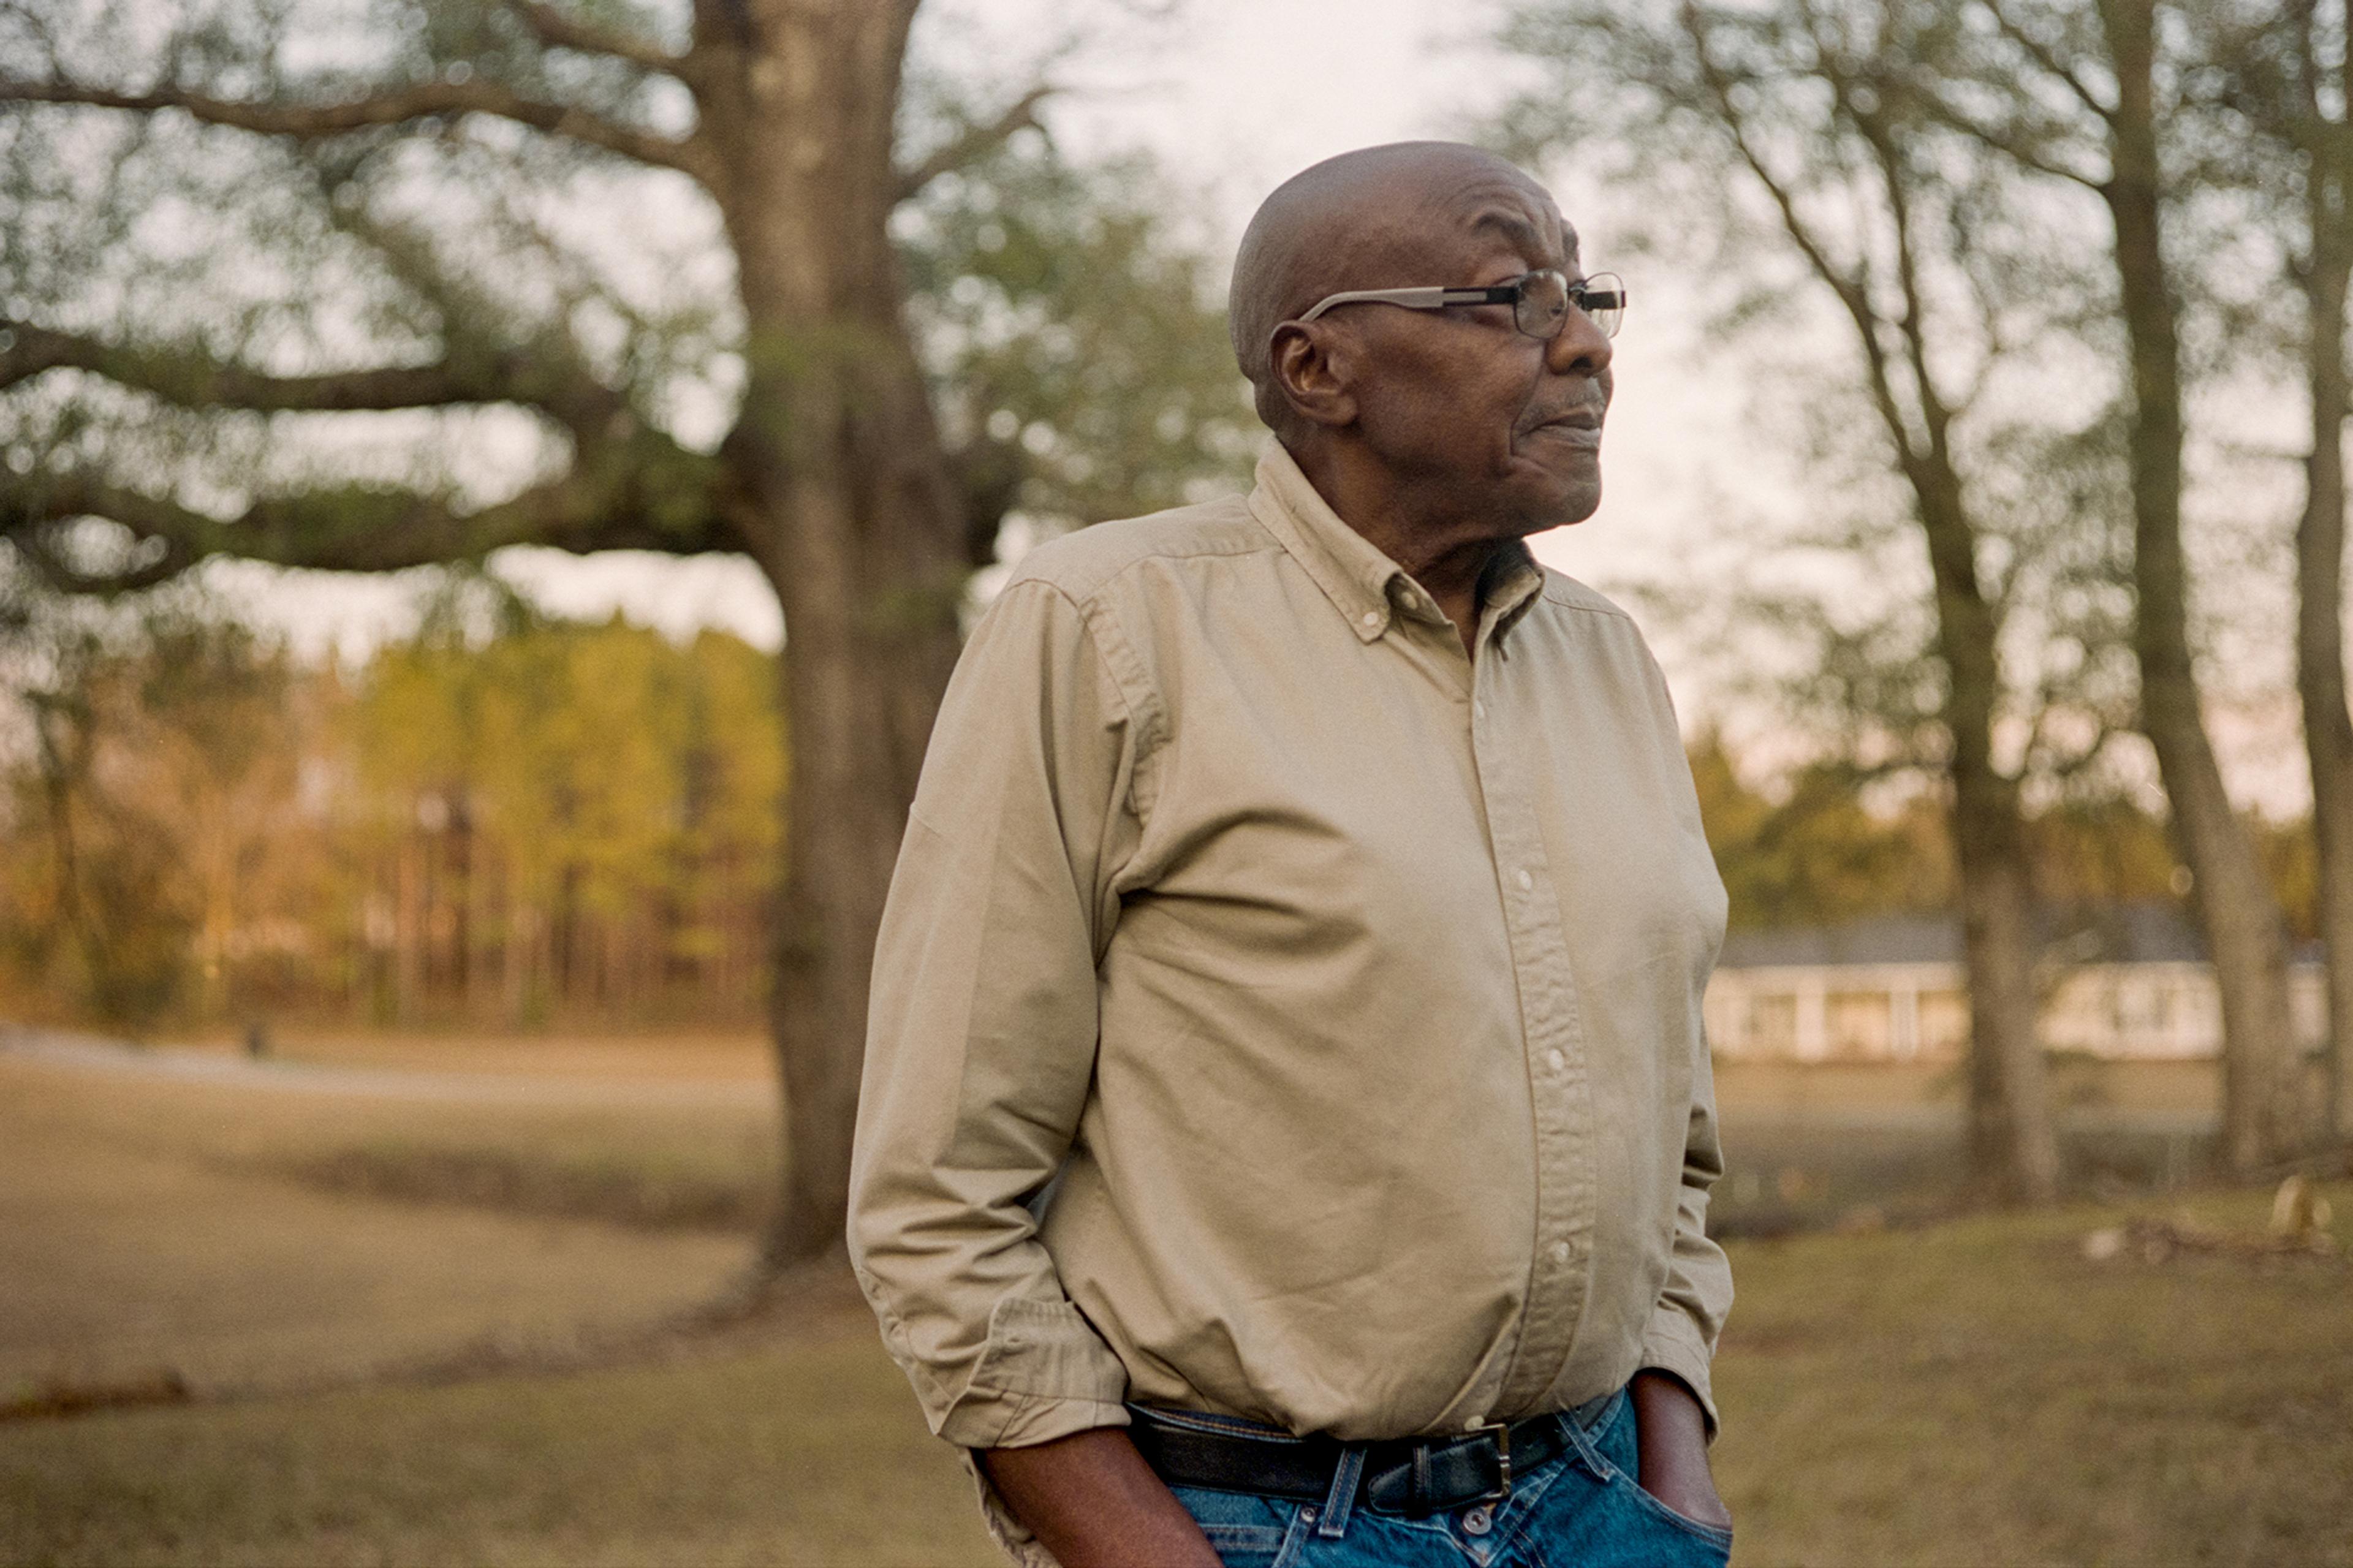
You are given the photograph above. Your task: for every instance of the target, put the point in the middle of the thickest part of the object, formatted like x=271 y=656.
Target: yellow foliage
x=559 y=816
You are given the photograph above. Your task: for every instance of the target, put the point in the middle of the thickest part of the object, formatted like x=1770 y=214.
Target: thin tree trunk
x=2241 y=919
x=2012 y=1146
x=2320 y=593
x=852 y=517
x=2014 y=1150
x=408 y=929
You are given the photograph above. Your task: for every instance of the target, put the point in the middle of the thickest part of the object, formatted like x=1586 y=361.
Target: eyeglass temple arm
x=1413 y=299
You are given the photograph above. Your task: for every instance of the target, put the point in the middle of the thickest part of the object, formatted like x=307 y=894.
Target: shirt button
x=1554 y=1060
x=1474 y=1423
x=1478 y=708
x=1371 y=617
x=1560 y=1252
x=1525 y=881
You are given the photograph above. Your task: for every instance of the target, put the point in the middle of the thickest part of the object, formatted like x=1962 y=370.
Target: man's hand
x=1091 y=1500
x=1672 y=1436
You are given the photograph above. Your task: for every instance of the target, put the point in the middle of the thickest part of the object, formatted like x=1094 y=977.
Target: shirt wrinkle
x=1363 y=1034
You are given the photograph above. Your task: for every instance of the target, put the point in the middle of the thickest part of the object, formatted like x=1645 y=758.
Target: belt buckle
x=1500 y=1431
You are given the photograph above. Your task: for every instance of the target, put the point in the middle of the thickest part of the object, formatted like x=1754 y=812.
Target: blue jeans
x=1581 y=1509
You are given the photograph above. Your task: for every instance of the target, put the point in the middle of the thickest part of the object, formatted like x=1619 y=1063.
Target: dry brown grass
x=145 y=1226
x=1789 y=1088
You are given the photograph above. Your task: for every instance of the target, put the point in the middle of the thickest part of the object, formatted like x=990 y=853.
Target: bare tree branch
x=1851 y=287
x=977 y=141
x=2018 y=149
x=193 y=380
x=621 y=504
x=36 y=547
x=2043 y=56
x=423 y=100
x=560 y=29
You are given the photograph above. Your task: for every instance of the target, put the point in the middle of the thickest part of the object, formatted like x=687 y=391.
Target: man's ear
x=1314 y=371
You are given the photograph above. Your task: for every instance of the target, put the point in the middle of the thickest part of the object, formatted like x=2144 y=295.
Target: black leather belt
x=1413 y=1477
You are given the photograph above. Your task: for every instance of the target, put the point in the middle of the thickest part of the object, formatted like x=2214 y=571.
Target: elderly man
x=1287 y=1127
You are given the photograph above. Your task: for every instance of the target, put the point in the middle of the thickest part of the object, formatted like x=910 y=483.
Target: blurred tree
x=2085 y=97
x=1818 y=856
x=1799 y=106
x=567 y=814
x=2281 y=89
x=1075 y=355
x=620 y=275
x=2103 y=848
x=163 y=748
x=501 y=817
x=1809 y=852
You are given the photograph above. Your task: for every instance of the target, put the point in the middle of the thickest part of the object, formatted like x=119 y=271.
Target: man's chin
x=1565 y=506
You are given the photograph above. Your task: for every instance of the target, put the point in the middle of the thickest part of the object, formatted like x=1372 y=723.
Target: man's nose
x=1579 y=348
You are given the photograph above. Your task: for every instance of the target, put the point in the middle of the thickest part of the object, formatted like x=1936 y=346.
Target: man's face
x=1467 y=411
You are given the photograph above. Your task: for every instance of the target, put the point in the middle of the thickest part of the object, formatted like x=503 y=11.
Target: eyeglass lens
x=1545 y=296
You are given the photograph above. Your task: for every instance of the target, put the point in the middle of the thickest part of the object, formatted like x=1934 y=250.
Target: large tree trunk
x=847 y=497
x=2234 y=905
x=2320 y=594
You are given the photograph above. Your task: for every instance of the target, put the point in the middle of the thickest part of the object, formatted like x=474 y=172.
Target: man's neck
x=1450 y=555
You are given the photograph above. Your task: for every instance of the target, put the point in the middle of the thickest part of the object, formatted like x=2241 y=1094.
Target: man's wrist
x=1090 y=1498
x=1670 y=1427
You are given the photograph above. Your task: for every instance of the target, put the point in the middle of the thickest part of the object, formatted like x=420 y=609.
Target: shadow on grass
x=623 y=1189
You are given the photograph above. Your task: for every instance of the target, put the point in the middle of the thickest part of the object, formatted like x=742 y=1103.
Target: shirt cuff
x=1044 y=1373
x=1673 y=1344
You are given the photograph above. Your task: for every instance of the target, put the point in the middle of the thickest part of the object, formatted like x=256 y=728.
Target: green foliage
x=1819 y=856
x=598 y=808
x=1077 y=338
x=1816 y=849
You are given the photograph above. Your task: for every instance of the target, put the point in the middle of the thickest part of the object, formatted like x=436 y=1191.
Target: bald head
x=1380 y=217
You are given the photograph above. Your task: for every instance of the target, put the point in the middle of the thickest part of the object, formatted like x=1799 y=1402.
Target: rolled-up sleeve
x=1692 y=1304
x=982 y=1030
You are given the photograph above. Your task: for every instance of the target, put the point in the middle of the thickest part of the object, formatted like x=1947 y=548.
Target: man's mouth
x=1576 y=427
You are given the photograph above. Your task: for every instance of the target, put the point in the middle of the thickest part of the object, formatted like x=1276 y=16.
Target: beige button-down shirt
x=1278 y=1013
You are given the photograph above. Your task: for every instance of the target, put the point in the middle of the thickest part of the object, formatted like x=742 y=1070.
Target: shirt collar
x=1365 y=585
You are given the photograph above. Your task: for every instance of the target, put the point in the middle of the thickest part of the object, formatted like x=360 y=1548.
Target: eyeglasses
x=1540 y=301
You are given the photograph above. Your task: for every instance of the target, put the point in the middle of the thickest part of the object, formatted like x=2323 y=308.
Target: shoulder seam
x=1128 y=677
x=1254 y=548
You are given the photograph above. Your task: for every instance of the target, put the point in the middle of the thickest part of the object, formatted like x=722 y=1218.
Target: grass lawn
x=811 y=1455
x=1972 y=1393
x=1979 y=1393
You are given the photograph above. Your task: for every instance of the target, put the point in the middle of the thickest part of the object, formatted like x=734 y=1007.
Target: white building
x=2129 y=981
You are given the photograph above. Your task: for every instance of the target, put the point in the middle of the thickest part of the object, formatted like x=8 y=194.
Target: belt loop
x=1341 y=1501
x=1581 y=1442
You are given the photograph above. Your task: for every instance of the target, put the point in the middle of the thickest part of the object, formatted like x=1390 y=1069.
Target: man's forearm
x=1091 y=1500
x=1671 y=1431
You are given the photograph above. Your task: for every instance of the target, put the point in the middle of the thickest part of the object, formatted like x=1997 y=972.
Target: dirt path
x=91 y=1053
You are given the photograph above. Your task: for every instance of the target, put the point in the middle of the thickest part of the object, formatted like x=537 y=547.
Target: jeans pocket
x=1714 y=1535
x=1246 y=1531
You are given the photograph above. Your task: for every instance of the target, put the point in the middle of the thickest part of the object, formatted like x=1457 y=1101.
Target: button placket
x=1552 y=1030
